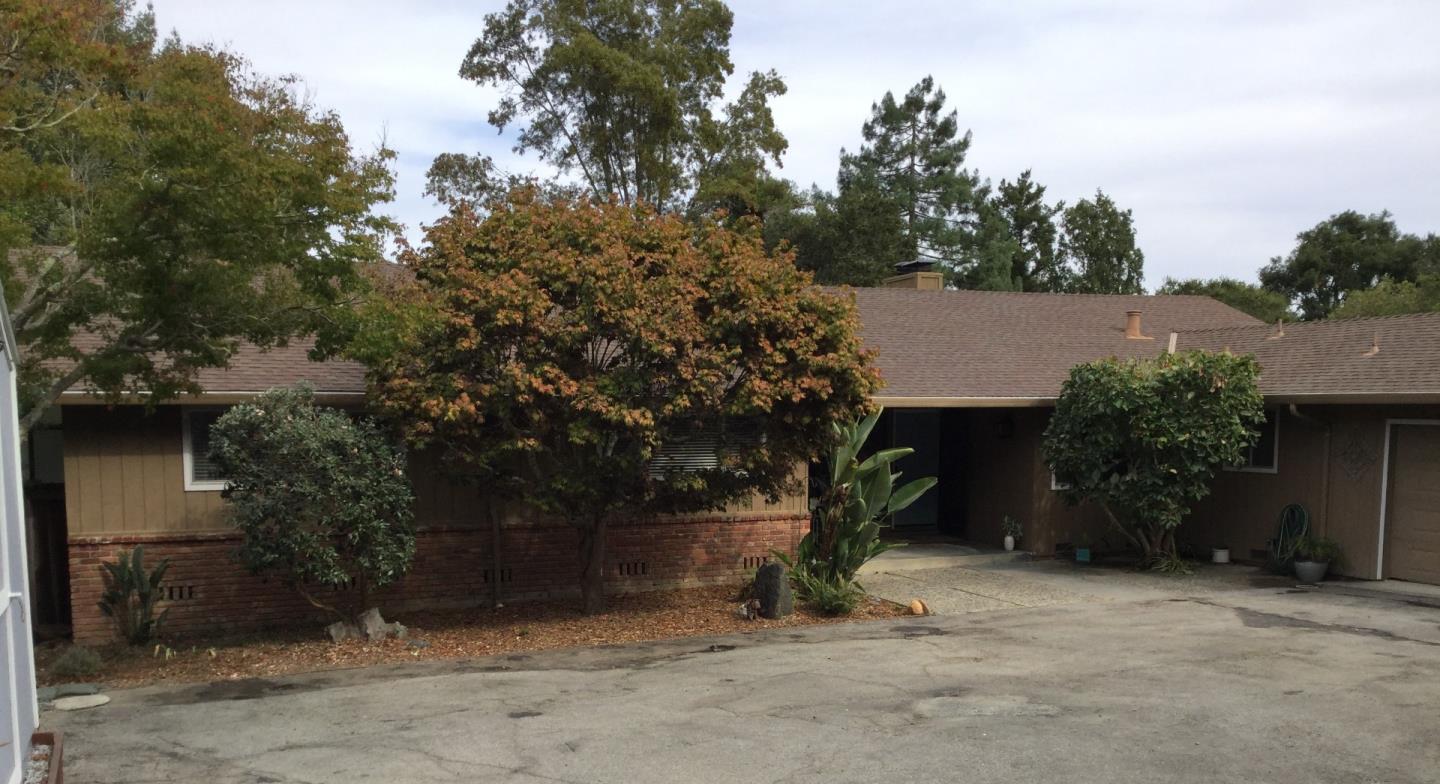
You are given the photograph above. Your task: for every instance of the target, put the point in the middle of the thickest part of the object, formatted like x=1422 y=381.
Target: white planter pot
x=1220 y=555
x=1009 y=543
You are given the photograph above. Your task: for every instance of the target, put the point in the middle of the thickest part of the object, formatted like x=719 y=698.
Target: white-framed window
x=1056 y=484
x=201 y=473
x=1264 y=456
x=703 y=449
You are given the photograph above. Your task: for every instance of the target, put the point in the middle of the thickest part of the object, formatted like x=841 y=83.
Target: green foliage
x=76 y=662
x=1171 y=562
x=165 y=203
x=555 y=349
x=1317 y=548
x=1142 y=438
x=857 y=497
x=1245 y=297
x=1024 y=248
x=1393 y=298
x=914 y=156
x=1099 y=247
x=1009 y=526
x=853 y=238
x=1345 y=254
x=828 y=594
x=131 y=593
x=321 y=499
x=625 y=94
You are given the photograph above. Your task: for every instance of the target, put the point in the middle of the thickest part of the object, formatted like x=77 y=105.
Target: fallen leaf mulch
x=514 y=628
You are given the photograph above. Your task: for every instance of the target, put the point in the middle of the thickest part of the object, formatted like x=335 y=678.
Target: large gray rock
x=772 y=591
x=371 y=626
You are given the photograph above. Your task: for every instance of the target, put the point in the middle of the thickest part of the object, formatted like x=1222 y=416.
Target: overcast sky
x=1225 y=127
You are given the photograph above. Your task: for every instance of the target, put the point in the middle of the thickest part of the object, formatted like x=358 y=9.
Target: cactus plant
x=131 y=594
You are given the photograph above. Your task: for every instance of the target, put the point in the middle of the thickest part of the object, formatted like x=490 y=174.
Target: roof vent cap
x=1132 y=326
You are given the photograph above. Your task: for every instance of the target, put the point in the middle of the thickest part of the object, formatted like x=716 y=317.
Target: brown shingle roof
x=997 y=346
x=254 y=370
x=1338 y=358
x=984 y=344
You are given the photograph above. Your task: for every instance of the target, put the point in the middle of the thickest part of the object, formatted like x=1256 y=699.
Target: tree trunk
x=592 y=561
x=495 y=560
x=1136 y=537
x=363 y=586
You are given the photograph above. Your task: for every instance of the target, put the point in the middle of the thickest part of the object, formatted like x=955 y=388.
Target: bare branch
x=51 y=123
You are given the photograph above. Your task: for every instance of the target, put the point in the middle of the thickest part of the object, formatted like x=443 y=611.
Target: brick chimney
x=1132 y=326
x=918 y=274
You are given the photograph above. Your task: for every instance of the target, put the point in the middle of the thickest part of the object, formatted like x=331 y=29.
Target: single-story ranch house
x=1353 y=434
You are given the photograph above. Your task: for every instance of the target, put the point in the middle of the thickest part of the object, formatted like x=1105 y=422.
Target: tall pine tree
x=914 y=157
x=1035 y=263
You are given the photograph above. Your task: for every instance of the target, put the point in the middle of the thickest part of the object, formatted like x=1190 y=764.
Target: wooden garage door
x=1412 y=532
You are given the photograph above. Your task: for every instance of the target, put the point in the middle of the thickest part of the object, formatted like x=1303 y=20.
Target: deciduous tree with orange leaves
x=600 y=361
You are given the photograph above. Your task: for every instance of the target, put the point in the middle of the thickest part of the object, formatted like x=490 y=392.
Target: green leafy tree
x=626 y=95
x=1019 y=247
x=1346 y=253
x=854 y=238
x=993 y=249
x=559 y=347
x=1245 y=297
x=914 y=157
x=1142 y=438
x=162 y=206
x=321 y=498
x=1099 y=247
x=1393 y=298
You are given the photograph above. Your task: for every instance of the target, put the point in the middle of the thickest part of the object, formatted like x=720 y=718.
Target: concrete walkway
x=1041 y=583
x=1234 y=685
x=937 y=556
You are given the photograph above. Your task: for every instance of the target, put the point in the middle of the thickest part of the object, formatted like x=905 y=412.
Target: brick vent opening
x=633 y=569
x=176 y=593
x=754 y=561
x=505 y=576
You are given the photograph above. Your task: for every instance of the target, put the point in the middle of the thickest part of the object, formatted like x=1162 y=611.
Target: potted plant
x=1012 y=530
x=1313 y=556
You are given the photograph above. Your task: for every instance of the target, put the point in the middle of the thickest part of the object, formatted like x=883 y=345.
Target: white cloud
x=1226 y=127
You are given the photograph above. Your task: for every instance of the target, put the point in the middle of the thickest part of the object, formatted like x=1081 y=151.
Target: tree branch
x=58 y=387
x=40 y=124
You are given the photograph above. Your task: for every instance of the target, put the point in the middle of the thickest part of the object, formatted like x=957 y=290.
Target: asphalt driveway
x=1263 y=684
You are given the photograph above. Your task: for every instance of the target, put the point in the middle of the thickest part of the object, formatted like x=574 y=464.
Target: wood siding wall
x=1331 y=464
x=124 y=474
x=1006 y=474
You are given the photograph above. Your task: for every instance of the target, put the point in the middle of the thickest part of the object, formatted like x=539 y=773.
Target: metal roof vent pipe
x=1132 y=326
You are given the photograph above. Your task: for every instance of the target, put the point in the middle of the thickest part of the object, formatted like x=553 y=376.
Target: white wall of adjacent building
x=18 y=711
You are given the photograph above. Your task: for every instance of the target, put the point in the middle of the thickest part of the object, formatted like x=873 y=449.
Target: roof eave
x=1354 y=398
x=895 y=401
x=76 y=397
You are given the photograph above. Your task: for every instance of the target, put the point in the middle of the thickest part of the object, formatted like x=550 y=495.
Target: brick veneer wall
x=207 y=591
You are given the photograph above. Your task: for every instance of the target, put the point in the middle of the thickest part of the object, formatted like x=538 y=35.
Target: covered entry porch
x=990 y=465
